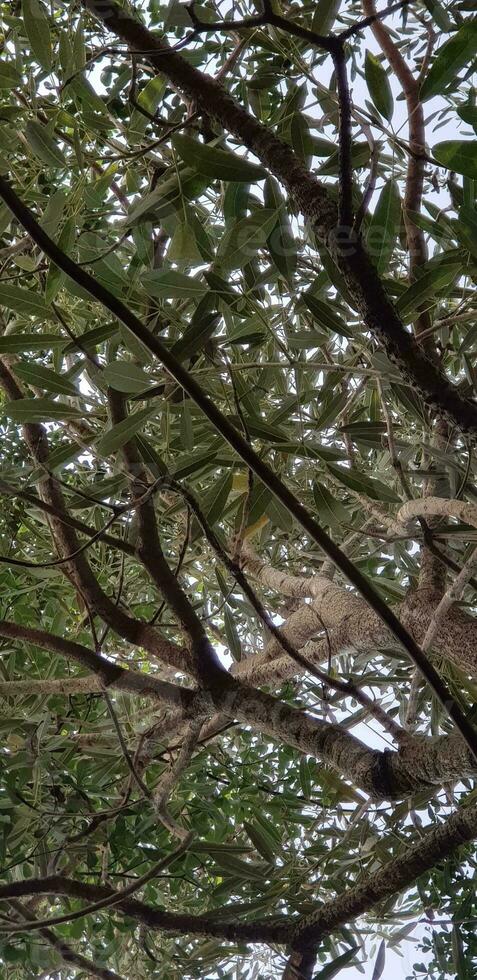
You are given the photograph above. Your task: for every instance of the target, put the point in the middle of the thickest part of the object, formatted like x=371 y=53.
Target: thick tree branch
x=139 y=632
x=152 y=917
x=313 y=200
x=397 y=874
x=110 y=675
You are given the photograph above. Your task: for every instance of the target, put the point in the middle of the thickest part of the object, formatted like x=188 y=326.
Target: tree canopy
x=239 y=496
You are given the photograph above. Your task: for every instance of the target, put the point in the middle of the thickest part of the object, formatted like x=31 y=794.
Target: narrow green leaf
x=468 y=113
x=330 y=510
x=172 y=284
x=167 y=197
x=233 y=639
x=201 y=328
x=40 y=410
x=332 y=969
x=242 y=241
x=384 y=225
x=360 y=154
x=216 y=501
x=119 y=434
x=305 y=777
x=459 y=155
x=42 y=377
x=21 y=343
x=214 y=162
x=378 y=84
x=44 y=146
x=264 y=844
x=425 y=286
x=240 y=869
x=126 y=376
x=454 y=55
x=439 y=15
x=9 y=76
x=362 y=483
x=92 y=338
x=325 y=316
x=24 y=301
x=324 y=13
x=380 y=961
x=37 y=31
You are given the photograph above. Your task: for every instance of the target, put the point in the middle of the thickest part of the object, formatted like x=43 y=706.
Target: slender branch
x=112 y=899
x=67 y=954
x=124 y=749
x=10 y=491
x=241 y=446
x=149 y=551
x=169 y=779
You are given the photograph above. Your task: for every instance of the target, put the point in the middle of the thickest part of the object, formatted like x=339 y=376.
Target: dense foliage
x=174 y=216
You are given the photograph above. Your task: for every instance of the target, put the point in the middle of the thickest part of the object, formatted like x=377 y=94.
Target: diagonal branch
x=67 y=954
x=312 y=199
x=132 y=629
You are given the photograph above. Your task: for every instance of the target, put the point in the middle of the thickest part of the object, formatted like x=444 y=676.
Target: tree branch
x=313 y=200
x=139 y=632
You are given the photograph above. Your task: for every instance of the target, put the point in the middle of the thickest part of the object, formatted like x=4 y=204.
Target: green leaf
x=426 y=285
x=454 y=55
x=261 y=840
x=9 y=76
x=233 y=639
x=92 y=338
x=24 y=301
x=458 y=954
x=44 y=146
x=216 y=501
x=439 y=15
x=167 y=197
x=332 y=969
x=330 y=510
x=201 y=328
x=20 y=343
x=362 y=483
x=468 y=113
x=360 y=154
x=240 y=869
x=214 y=162
x=283 y=247
x=378 y=84
x=305 y=777
x=380 y=961
x=242 y=241
x=42 y=377
x=459 y=155
x=37 y=31
x=325 y=316
x=172 y=284
x=324 y=13
x=384 y=225
x=126 y=377
x=183 y=248
x=119 y=434
x=40 y=410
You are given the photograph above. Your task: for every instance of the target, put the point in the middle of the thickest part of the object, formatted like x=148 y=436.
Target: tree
x=237 y=561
